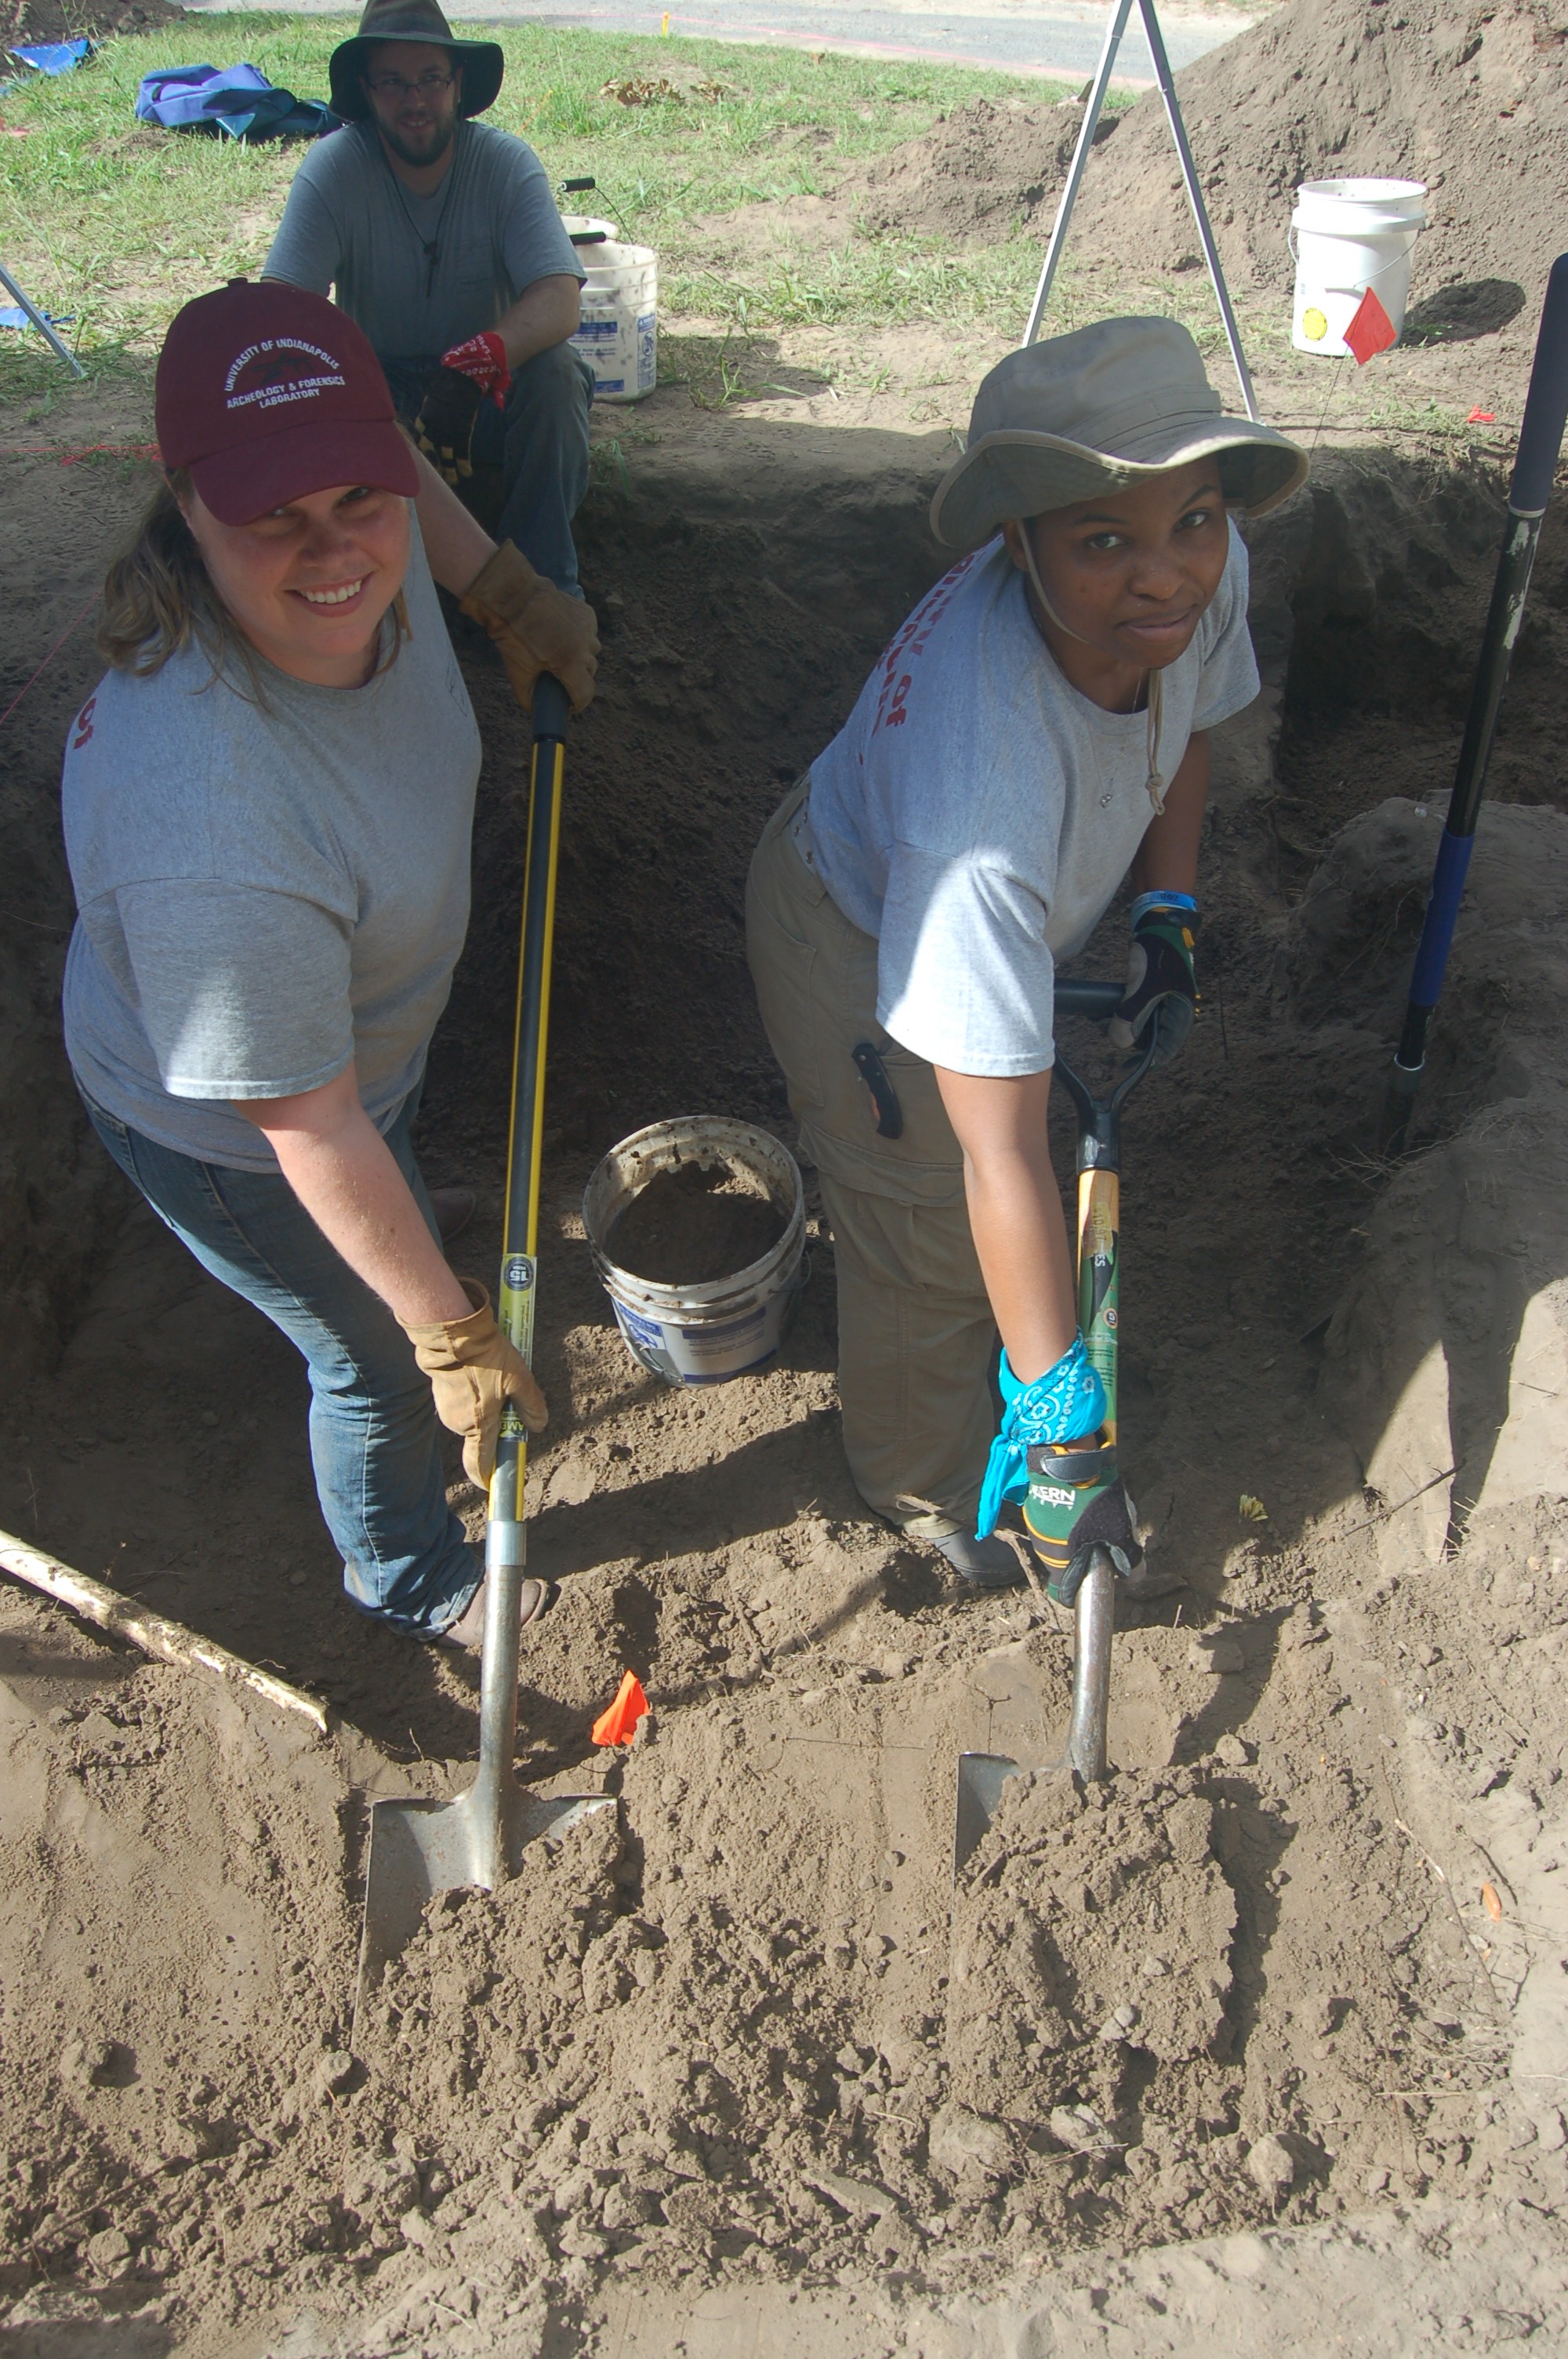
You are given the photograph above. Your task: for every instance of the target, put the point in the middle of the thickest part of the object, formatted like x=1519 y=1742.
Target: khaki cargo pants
x=917 y=1342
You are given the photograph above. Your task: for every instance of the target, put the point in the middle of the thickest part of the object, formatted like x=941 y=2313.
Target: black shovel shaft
x=505 y=1538
x=550 y=711
x=1530 y=488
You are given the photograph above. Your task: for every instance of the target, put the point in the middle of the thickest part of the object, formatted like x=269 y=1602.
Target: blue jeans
x=374 y=1440
x=539 y=443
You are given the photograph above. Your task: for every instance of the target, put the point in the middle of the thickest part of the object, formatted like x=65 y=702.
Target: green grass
x=118 y=223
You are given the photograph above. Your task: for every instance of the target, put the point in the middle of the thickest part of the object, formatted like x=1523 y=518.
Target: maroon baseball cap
x=265 y=393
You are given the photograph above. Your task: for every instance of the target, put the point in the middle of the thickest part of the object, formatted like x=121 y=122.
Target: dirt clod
x=1273 y=2166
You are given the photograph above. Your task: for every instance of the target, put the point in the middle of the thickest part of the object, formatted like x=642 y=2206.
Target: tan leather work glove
x=474 y=1371
x=536 y=626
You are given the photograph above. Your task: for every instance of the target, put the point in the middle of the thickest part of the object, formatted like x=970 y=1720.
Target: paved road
x=1014 y=36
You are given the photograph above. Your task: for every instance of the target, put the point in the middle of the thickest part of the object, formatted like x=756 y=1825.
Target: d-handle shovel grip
x=1081 y=996
x=552 y=708
x=1546 y=404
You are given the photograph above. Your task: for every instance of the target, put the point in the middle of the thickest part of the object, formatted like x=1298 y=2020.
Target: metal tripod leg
x=1156 y=41
x=41 y=324
x=1069 y=197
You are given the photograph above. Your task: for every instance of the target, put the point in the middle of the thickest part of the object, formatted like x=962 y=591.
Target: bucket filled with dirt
x=698 y=1228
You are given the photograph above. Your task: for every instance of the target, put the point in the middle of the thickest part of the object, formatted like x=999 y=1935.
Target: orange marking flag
x=1371 y=331
x=618 y=1725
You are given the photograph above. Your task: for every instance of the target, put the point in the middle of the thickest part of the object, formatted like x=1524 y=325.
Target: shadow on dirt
x=748 y=572
x=1456 y=315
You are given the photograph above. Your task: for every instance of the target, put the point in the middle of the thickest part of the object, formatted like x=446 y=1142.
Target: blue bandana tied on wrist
x=1064 y=1405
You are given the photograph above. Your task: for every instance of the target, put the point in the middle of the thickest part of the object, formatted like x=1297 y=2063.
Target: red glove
x=482 y=358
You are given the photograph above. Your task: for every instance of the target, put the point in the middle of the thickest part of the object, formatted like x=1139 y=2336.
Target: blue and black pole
x=1540 y=439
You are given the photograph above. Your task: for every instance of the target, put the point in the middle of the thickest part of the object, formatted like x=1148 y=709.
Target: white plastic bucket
x=618 y=335
x=700 y=1334
x=1348 y=235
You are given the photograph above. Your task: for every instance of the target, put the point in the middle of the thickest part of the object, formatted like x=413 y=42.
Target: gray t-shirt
x=976 y=813
x=272 y=881
x=349 y=223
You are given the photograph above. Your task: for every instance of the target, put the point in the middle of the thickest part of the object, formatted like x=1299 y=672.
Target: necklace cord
x=1152 y=680
x=431 y=245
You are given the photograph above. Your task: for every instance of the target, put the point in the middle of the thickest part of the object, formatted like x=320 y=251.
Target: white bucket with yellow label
x=1348 y=237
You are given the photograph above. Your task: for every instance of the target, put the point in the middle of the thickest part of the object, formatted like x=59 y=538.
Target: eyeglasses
x=394 y=86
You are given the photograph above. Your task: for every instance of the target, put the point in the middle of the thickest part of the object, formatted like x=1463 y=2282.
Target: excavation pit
x=720 y=2044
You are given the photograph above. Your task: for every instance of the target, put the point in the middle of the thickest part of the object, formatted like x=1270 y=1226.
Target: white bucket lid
x=1358 y=204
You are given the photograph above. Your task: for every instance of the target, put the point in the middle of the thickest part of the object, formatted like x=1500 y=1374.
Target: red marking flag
x=1371 y=330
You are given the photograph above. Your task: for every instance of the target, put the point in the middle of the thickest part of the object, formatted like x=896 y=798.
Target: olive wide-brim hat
x=482 y=62
x=1092 y=414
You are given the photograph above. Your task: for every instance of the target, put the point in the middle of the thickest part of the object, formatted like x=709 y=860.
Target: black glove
x=444 y=428
x=1160 y=986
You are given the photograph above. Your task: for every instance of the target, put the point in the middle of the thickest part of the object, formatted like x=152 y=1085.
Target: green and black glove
x=1162 y=989
x=1076 y=1502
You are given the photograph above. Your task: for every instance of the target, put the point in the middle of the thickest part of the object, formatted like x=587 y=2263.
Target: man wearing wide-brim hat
x=440 y=238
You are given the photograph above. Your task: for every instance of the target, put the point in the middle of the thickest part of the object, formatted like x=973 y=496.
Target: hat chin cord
x=1153 y=681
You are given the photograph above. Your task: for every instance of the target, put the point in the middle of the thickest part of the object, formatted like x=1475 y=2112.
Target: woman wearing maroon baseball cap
x=268 y=803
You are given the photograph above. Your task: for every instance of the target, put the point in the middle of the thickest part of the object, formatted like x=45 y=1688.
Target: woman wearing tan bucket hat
x=1037 y=728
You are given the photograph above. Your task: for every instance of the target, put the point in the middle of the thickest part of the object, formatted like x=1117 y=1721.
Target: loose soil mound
x=693 y=1226
x=987 y=169
x=1071 y=1916
x=34 y=21
x=1473 y=102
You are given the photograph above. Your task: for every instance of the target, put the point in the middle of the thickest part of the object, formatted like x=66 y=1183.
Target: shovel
x=981 y=1775
x=420 y=1847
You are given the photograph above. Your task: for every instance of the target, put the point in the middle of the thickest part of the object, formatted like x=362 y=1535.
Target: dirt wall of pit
x=58 y=526
x=746 y=575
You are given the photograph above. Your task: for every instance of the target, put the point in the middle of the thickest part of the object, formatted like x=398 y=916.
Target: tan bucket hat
x=1099 y=411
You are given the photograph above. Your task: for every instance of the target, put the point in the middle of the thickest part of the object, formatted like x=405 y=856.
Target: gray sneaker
x=985 y=1564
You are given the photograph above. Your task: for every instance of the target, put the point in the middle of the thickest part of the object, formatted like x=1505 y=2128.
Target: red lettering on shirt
x=83 y=725
x=910 y=644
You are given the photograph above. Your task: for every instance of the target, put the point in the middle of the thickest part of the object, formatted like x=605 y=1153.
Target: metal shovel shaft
x=420 y=1847
x=505 y=1539
x=1096 y=1624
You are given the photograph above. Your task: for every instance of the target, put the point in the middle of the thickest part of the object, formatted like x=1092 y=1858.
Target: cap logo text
x=277 y=369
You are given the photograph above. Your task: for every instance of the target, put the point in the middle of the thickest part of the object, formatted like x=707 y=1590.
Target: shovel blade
x=420 y=1847
x=981 y=1777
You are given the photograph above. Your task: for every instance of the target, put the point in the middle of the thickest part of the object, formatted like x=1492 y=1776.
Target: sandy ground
x=735 y=2060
